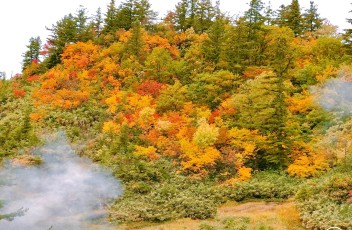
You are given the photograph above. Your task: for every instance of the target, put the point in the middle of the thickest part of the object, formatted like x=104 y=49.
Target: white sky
x=22 y=19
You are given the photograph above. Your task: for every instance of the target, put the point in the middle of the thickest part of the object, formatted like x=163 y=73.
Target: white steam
x=65 y=192
x=335 y=96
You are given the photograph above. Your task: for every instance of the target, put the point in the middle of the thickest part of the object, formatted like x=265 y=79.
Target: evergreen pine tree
x=254 y=21
x=213 y=45
x=192 y=13
x=254 y=17
x=84 y=27
x=63 y=33
x=134 y=10
x=290 y=16
x=98 y=22
x=144 y=13
x=110 y=20
x=181 y=15
x=280 y=55
x=233 y=49
x=135 y=42
x=269 y=15
x=32 y=53
x=204 y=17
x=347 y=36
x=125 y=15
x=311 y=19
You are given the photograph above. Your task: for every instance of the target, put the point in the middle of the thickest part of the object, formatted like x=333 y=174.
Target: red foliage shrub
x=19 y=93
x=149 y=87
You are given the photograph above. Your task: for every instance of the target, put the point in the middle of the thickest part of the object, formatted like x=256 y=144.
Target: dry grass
x=26 y=160
x=262 y=215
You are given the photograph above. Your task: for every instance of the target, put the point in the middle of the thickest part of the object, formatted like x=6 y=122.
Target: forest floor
x=255 y=215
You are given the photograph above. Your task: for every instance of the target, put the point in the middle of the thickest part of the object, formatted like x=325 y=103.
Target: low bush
x=16 y=131
x=324 y=202
x=264 y=185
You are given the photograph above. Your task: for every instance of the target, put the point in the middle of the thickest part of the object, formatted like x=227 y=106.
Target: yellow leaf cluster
x=149 y=152
x=206 y=135
x=111 y=127
x=300 y=104
x=306 y=166
x=244 y=173
x=146 y=119
x=328 y=72
x=244 y=141
x=112 y=102
x=196 y=159
x=137 y=102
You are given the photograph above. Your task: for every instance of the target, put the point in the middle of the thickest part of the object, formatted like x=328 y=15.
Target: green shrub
x=207 y=227
x=264 y=185
x=16 y=131
x=323 y=202
x=236 y=223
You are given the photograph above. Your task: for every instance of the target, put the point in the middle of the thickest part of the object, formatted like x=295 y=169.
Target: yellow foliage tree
x=308 y=163
x=197 y=160
x=244 y=142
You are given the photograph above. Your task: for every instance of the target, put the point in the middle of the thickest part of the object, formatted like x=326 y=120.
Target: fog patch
x=65 y=192
x=335 y=96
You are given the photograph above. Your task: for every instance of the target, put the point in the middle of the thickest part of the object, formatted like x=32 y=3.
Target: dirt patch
x=261 y=215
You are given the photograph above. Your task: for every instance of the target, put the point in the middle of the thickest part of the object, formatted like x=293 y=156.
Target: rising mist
x=335 y=96
x=65 y=192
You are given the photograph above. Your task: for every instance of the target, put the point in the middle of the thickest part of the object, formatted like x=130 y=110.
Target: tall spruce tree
x=254 y=19
x=70 y=29
x=311 y=18
x=62 y=33
x=98 y=22
x=280 y=55
x=192 y=12
x=233 y=51
x=212 y=46
x=130 y=11
x=291 y=17
x=135 y=42
x=144 y=13
x=181 y=15
x=269 y=14
x=198 y=14
x=125 y=15
x=204 y=17
x=32 y=53
x=84 y=27
x=110 y=19
x=347 y=36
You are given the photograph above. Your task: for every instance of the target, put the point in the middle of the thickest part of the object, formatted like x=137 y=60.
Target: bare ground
x=262 y=215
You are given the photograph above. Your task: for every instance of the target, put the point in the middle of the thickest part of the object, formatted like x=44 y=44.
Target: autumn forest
x=195 y=110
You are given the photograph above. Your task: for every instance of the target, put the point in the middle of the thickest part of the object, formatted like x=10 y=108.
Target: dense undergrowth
x=327 y=201
x=156 y=192
x=16 y=131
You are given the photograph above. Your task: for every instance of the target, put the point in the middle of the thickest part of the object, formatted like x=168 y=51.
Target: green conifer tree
x=291 y=17
x=347 y=36
x=110 y=21
x=32 y=53
x=311 y=19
